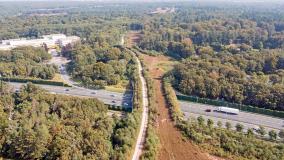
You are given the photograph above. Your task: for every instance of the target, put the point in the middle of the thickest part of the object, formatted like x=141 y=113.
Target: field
x=120 y=88
x=57 y=77
x=132 y=38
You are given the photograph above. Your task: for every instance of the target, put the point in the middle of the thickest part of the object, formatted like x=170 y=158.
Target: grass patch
x=120 y=87
x=57 y=77
x=167 y=65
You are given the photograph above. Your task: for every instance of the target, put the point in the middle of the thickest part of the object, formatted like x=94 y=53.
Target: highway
x=249 y=120
x=108 y=97
x=112 y=98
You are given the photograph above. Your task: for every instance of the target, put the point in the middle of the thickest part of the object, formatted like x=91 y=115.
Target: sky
x=242 y=1
x=156 y=0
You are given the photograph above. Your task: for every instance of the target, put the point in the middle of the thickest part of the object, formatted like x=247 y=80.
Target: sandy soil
x=133 y=38
x=173 y=144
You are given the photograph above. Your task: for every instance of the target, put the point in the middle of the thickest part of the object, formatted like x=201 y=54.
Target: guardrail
x=247 y=108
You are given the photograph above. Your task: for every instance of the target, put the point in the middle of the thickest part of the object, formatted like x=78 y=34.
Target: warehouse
x=49 y=40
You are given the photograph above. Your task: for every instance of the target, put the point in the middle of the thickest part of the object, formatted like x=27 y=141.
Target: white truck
x=228 y=110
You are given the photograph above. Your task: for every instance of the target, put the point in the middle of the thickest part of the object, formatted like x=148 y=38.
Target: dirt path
x=144 y=121
x=173 y=145
x=132 y=38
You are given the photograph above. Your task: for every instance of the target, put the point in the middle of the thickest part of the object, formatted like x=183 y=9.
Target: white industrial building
x=50 y=40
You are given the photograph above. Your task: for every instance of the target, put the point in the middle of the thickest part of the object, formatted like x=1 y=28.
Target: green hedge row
x=35 y=81
x=119 y=108
x=246 y=108
x=172 y=102
x=124 y=145
x=152 y=143
x=150 y=53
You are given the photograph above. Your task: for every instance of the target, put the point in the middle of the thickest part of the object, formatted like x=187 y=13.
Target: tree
x=113 y=54
x=136 y=26
x=239 y=127
x=272 y=135
x=270 y=65
x=210 y=123
x=205 y=51
x=219 y=124
x=200 y=120
x=250 y=132
x=281 y=133
x=228 y=125
x=3 y=124
x=261 y=131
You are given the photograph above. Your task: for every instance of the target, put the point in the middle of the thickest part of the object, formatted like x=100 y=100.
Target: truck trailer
x=228 y=110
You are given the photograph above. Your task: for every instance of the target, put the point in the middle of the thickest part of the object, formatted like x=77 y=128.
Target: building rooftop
x=50 y=40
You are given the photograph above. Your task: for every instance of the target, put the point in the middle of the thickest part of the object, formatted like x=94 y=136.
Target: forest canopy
x=37 y=125
x=26 y=62
x=252 y=78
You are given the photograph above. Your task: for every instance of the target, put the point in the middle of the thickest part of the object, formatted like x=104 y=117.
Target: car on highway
x=112 y=95
x=256 y=128
x=207 y=110
x=113 y=101
x=228 y=110
x=93 y=93
x=67 y=90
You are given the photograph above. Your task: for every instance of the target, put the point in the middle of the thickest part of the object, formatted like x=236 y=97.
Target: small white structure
x=50 y=40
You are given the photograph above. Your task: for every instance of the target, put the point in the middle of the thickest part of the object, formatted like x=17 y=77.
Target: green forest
x=226 y=53
x=26 y=62
x=222 y=51
x=253 y=78
x=99 y=66
x=37 y=125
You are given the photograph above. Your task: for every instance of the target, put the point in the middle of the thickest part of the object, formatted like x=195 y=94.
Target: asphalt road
x=249 y=120
x=108 y=97
x=112 y=98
